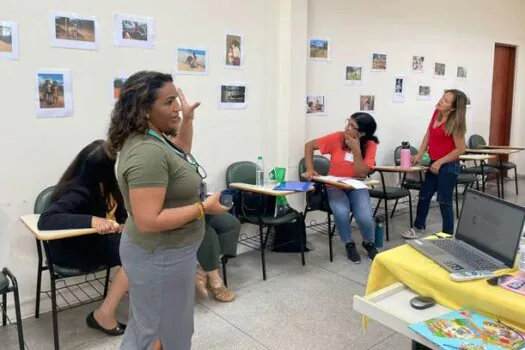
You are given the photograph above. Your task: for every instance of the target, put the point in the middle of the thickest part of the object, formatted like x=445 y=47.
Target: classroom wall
x=35 y=152
x=454 y=32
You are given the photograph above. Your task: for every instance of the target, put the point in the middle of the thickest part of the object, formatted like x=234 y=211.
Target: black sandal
x=93 y=323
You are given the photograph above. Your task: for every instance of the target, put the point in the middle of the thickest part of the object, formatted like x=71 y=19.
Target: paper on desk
x=357 y=184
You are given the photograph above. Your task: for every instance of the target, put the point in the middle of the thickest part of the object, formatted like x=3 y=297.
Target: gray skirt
x=161 y=296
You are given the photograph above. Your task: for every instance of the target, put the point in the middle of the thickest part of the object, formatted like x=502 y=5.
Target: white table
x=31 y=222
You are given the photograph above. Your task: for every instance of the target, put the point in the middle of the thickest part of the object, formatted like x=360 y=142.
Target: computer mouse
x=422 y=303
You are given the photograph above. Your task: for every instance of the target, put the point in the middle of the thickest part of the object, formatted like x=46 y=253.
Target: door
x=502 y=95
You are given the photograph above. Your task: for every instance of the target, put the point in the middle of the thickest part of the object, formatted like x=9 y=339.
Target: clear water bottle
x=259 y=179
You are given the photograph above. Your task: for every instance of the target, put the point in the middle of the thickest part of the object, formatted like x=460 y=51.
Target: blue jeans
x=358 y=202
x=444 y=183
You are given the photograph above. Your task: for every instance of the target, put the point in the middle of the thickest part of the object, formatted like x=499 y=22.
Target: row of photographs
x=320 y=50
x=74 y=31
x=54 y=93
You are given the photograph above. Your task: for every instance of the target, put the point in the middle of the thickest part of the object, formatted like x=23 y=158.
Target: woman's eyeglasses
x=200 y=170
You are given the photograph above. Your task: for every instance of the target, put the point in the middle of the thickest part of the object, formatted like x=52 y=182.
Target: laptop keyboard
x=464 y=254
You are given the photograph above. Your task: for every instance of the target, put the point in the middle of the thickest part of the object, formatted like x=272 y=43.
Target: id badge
x=203 y=190
x=349 y=157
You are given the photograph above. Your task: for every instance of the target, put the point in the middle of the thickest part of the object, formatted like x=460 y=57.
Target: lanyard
x=177 y=152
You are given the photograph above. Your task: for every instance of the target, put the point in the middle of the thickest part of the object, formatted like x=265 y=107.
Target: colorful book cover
x=467 y=330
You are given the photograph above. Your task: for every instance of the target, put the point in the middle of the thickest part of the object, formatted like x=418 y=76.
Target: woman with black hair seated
x=352 y=154
x=87 y=195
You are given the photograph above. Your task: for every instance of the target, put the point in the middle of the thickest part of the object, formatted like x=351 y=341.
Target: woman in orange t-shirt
x=352 y=154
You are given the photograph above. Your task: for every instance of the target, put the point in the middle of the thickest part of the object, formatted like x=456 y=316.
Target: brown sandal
x=222 y=293
x=201 y=280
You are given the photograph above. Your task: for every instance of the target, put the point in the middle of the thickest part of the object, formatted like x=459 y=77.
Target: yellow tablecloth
x=406 y=265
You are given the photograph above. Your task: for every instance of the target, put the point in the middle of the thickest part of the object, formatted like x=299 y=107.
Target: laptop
x=487 y=237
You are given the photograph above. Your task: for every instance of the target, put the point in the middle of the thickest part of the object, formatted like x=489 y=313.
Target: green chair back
x=43 y=200
x=241 y=172
x=397 y=154
x=321 y=165
x=476 y=141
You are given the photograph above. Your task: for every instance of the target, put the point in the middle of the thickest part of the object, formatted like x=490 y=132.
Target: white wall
x=35 y=152
x=450 y=31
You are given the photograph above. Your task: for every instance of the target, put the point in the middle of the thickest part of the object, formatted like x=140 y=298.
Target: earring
x=147 y=116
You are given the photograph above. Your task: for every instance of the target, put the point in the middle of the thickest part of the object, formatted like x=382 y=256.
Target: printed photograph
x=418 y=64
x=353 y=73
x=233 y=50
x=315 y=105
x=379 y=62
x=134 y=31
x=462 y=72
x=9 y=40
x=51 y=89
x=232 y=96
x=68 y=28
x=118 y=83
x=423 y=92
x=399 y=86
x=319 y=49
x=6 y=38
x=191 y=61
x=53 y=93
x=439 y=69
x=367 y=103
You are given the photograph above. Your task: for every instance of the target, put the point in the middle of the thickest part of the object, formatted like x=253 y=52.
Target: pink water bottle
x=405 y=155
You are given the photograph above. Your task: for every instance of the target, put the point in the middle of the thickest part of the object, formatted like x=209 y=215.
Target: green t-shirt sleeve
x=146 y=166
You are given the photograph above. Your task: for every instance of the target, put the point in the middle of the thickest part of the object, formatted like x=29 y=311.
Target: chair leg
x=19 y=327
x=516 y=179
x=38 y=279
x=4 y=309
x=394 y=209
x=386 y=221
x=330 y=236
x=106 y=283
x=497 y=184
x=224 y=261
x=457 y=202
x=377 y=207
x=261 y=242
x=54 y=307
x=410 y=207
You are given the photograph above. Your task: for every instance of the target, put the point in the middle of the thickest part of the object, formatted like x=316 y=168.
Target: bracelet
x=201 y=210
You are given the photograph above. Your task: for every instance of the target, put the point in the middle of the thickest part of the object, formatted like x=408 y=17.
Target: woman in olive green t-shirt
x=160 y=184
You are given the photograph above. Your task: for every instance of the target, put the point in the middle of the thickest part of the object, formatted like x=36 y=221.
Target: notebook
x=466 y=329
x=294 y=186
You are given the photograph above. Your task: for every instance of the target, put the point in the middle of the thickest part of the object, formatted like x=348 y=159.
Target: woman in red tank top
x=445 y=142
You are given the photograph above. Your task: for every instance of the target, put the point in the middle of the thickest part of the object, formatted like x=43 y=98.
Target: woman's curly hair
x=129 y=116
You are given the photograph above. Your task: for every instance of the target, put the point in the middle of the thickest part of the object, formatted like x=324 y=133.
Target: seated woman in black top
x=87 y=195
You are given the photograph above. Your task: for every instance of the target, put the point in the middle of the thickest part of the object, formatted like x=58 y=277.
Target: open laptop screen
x=492 y=225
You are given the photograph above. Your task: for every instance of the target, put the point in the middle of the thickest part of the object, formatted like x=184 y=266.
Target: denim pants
x=342 y=202
x=444 y=183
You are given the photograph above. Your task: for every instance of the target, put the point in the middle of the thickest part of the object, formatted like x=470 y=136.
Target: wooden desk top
x=367 y=182
x=261 y=189
x=31 y=222
x=476 y=157
x=399 y=169
x=499 y=151
x=503 y=147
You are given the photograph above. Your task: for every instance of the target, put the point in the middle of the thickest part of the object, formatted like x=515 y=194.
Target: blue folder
x=294 y=186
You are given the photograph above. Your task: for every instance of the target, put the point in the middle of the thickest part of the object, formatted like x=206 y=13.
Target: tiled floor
x=298 y=307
